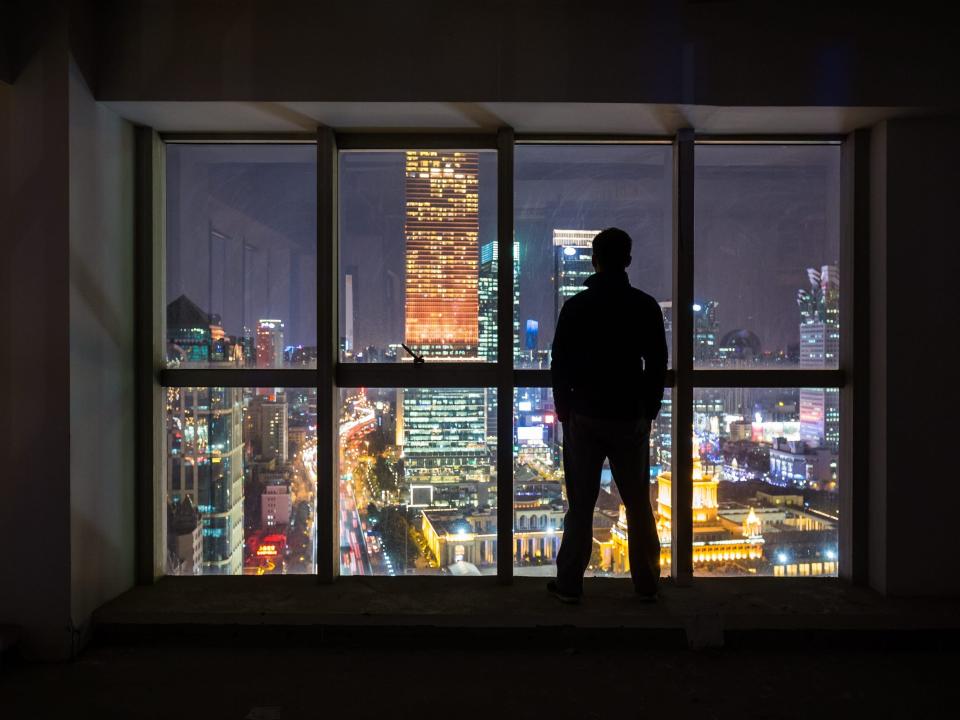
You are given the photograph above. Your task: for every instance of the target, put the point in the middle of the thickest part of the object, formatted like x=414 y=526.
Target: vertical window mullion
x=681 y=541
x=328 y=565
x=505 y=145
x=854 y=357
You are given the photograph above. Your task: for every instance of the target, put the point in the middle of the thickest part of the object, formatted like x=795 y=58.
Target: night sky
x=763 y=215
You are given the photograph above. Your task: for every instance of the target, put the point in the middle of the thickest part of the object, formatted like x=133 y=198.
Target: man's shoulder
x=644 y=299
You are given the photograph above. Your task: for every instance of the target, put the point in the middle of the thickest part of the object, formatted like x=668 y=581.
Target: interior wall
x=915 y=260
x=101 y=353
x=35 y=396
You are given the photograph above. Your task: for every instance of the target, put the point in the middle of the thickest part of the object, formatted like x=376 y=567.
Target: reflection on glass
x=418 y=255
x=540 y=497
x=241 y=255
x=241 y=479
x=765 y=485
x=418 y=484
x=766 y=279
x=566 y=194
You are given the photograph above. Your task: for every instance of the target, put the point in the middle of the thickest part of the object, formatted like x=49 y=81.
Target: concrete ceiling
x=589 y=118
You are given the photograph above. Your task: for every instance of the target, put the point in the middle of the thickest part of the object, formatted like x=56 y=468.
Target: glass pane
x=418 y=260
x=241 y=481
x=241 y=264
x=418 y=483
x=540 y=497
x=766 y=495
x=566 y=194
x=766 y=278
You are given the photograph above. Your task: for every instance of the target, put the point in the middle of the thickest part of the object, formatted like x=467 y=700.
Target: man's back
x=609 y=354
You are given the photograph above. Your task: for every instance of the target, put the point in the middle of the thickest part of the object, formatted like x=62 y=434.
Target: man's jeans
x=586 y=442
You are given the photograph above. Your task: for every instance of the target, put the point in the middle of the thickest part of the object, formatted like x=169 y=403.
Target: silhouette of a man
x=608 y=365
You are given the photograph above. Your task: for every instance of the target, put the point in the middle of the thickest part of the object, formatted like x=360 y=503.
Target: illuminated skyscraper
x=706 y=332
x=270 y=343
x=205 y=464
x=820 y=348
x=572 y=263
x=444 y=430
x=441 y=230
x=488 y=300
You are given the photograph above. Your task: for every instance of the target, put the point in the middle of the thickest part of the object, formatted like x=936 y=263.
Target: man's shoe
x=646 y=595
x=560 y=595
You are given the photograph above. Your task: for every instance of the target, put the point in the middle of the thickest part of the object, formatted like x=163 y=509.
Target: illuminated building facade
x=487 y=286
x=205 y=464
x=820 y=349
x=270 y=343
x=572 y=263
x=444 y=431
x=706 y=332
x=441 y=231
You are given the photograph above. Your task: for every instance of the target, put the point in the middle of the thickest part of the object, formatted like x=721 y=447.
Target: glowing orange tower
x=442 y=252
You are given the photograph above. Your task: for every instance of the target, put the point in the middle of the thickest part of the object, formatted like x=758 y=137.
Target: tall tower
x=204 y=448
x=270 y=343
x=820 y=348
x=572 y=263
x=489 y=259
x=441 y=230
x=444 y=430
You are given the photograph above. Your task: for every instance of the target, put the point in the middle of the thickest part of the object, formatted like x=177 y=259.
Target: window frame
x=331 y=374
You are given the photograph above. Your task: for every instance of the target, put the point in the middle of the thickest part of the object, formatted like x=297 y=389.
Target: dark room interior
x=292 y=288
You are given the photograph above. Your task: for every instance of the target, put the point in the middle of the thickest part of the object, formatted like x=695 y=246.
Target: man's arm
x=560 y=359
x=655 y=362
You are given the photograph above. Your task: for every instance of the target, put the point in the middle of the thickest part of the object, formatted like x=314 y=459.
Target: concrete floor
x=464 y=648
x=710 y=613
x=464 y=682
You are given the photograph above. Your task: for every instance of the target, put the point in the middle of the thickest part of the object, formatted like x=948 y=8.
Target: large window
x=346 y=422
x=240 y=463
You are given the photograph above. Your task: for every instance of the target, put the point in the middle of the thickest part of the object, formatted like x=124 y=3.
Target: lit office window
x=418 y=255
x=241 y=255
x=766 y=494
x=417 y=481
x=540 y=497
x=564 y=195
x=240 y=480
x=766 y=278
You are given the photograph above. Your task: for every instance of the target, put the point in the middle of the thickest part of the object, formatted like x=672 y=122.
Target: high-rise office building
x=487 y=285
x=531 y=339
x=205 y=464
x=820 y=348
x=270 y=343
x=348 y=313
x=706 y=332
x=205 y=439
x=270 y=428
x=441 y=231
x=572 y=263
x=444 y=430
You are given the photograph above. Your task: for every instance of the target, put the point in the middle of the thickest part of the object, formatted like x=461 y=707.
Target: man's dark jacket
x=609 y=355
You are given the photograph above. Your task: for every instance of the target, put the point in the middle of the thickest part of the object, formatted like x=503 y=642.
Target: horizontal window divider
x=427 y=374
x=441 y=140
x=242 y=138
x=240 y=377
x=588 y=139
x=787 y=139
x=766 y=378
x=532 y=378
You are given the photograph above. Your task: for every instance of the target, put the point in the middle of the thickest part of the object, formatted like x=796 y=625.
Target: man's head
x=611 y=250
